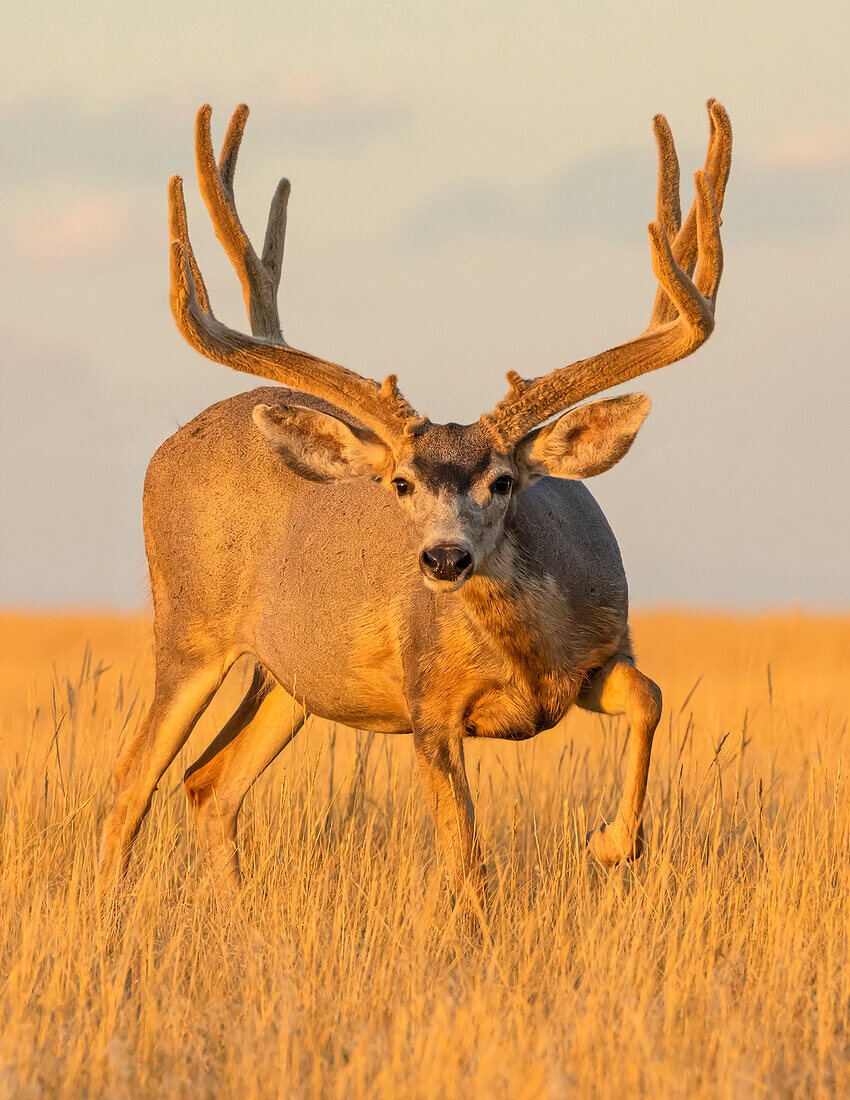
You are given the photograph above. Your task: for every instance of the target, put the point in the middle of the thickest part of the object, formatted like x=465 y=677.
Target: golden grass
x=717 y=966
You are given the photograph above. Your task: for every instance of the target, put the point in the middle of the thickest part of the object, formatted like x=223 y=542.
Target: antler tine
x=178 y=230
x=381 y=408
x=230 y=147
x=272 y=258
x=259 y=286
x=668 y=206
x=683 y=317
x=276 y=233
x=709 y=245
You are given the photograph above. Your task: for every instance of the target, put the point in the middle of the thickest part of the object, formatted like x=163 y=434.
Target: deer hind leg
x=619 y=688
x=216 y=784
x=183 y=690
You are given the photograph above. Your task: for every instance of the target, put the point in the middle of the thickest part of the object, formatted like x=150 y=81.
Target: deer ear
x=585 y=441
x=319 y=447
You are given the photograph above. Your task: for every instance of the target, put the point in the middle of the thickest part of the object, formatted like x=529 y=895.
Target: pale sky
x=471 y=188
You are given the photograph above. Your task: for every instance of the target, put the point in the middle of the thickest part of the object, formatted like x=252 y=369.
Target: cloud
x=610 y=198
x=79 y=178
x=85 y=230
x=811 y=149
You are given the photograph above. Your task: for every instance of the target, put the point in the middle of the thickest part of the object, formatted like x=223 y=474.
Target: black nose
x=445 y=563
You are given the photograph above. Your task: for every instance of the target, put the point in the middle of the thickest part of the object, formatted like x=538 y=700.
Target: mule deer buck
x=442 y=580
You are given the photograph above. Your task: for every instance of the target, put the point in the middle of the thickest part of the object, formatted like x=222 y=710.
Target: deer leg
x=181 y=695
x=216 y=784
x=443 y=774
x=619 y=688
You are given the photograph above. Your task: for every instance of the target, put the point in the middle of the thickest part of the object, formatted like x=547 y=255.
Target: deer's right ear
x=319 y=447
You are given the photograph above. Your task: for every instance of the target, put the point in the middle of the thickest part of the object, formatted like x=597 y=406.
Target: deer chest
x=516 y=711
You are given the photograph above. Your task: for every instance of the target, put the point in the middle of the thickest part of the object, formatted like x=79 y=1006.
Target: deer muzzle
x=446 y=562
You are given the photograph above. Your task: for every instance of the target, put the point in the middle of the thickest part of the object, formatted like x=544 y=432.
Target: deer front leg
x=443 y=774
x=618 y=688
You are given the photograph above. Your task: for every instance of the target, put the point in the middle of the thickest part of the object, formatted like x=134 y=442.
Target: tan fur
x=377 y=671
x=386 y=572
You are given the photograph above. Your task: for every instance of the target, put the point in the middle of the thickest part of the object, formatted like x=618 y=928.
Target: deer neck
x=516 y=610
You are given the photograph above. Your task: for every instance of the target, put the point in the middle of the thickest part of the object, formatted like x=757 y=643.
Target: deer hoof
x=609 y=846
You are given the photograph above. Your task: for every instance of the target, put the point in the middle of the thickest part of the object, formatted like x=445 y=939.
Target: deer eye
x=502 y=485
x=402 y=486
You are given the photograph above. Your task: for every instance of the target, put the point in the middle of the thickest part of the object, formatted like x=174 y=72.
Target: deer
x=385 y=572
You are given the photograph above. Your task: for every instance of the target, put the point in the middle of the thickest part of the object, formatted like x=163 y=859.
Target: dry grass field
x=716 y=966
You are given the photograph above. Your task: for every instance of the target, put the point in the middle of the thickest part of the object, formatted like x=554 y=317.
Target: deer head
x=457 y=483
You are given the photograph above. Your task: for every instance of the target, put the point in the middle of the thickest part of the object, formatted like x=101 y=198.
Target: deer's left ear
x=585 y=441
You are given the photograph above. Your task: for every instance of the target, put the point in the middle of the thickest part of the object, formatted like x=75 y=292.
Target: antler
x=381 y=408
x=683 y=315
